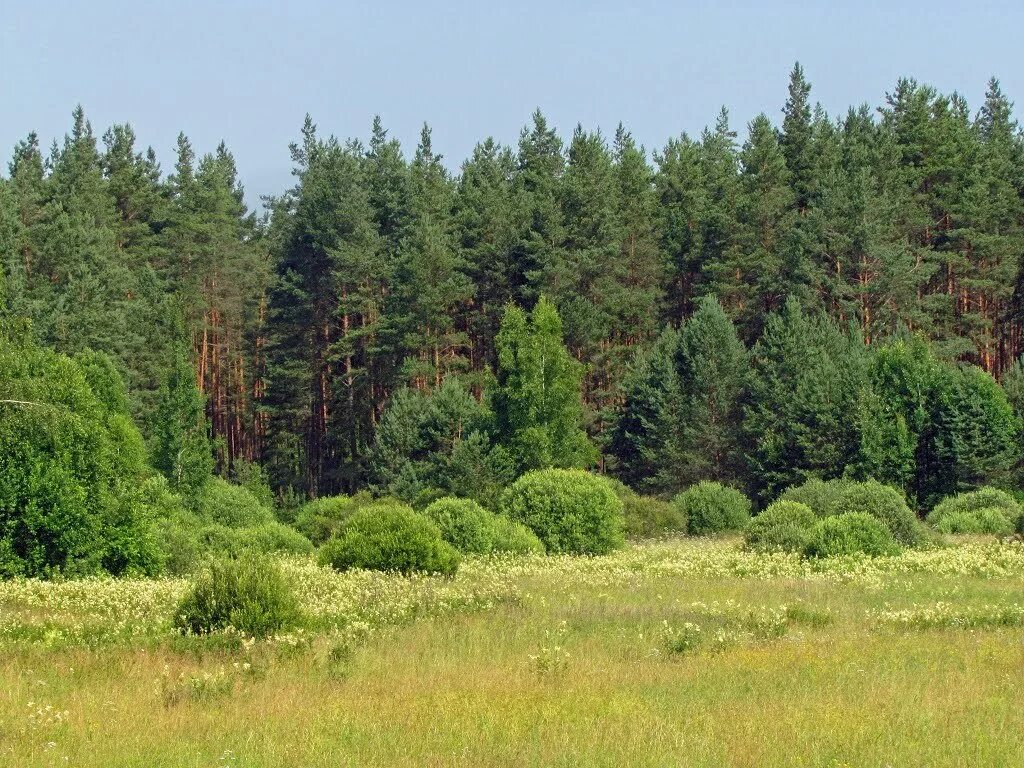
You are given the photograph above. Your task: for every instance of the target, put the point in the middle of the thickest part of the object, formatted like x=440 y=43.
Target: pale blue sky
x=248 y=72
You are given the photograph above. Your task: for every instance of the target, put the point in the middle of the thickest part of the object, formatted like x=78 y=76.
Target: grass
x=678 y=653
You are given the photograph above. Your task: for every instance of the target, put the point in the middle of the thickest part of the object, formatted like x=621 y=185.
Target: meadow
x=676 y=652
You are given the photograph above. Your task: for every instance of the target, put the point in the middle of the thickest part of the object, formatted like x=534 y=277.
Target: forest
x=820 y=296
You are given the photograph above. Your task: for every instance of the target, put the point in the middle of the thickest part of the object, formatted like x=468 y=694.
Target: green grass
x=679 y=653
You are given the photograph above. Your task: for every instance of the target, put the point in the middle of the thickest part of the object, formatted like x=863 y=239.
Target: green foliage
x=710 y=508
x=438 y=440
x=986 y=510
x=262 y=539
x=248 y=594
x=987 y=520
x=784 y=526
x=71 y=466
x=536 y=397
x=570 y=511
x=232 y=505
x=389 y=536
x=838 y=497
x=514 y=538
x=463 y=523
x=884 y=503
x=851 y=534
x=801 y=393
x=822 y=496
x=648 y=516
x=321 y=518
x=181 y=449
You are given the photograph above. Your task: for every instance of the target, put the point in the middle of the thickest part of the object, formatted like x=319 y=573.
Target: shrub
x=265 y=539
x=515 y=538
x=569 y=510
x=884 y=503
x=390 y=537
x=989 y=520
x=839 y=497
x=248 y=594
x=463 y=523
x=785 y=526
x=822 y=496
x=232 y=505
x=647 y=516
x=849 y=534
x=961 y=513
x=710 y=508
x=320 y=519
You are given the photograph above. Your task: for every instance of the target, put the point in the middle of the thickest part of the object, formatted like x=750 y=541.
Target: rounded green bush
x=884 y=503
x=850 y=534
x=822 y=496
x=710 y=508
x=959 y=513
x=248 y=594
x=320 y=519
x=463 y=523
x=989 y=520
x=232 y=505
x=570 y=511
x=647 y=516
x=784 y=526
x=388 y=536
x=515 y=538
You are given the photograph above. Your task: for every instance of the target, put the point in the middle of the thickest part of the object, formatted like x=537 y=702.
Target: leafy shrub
x=986 y=510
x=463 y=523
x=265 y=539
x=390 y=537
x=822 y=496
x=321 y=518
x=839 y=497
x=248 y=594
x=884 y=503
x=647 y=516
x=71 y=465
x=989 y=520
x=849 y=534
x=710 y=508
x=515 y=538
x=784 y=526
x=232 y=505
x=569 y=510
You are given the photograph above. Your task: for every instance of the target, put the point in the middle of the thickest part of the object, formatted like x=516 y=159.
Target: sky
x=248 y=72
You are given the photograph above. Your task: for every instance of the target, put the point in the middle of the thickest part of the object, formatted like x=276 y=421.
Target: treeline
x=805 y=248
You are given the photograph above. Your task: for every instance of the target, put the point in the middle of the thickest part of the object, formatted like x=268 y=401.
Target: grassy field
x=676 y=653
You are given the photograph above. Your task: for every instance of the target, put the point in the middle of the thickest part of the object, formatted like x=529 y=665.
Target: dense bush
x=515 y=538
x=986 y=510
x=822 y=496
x=264 y=539
x=232 y=505
x=463 y=523
x=647 y=516
x=710 y=508
x=320 y=519
x=840 y=497
x=784 y=526
x=71 y=466
x=884 y=503
x=248 y=594
x=390 y=537
x=569 y=510
x=988 y=520
x=850 y=534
